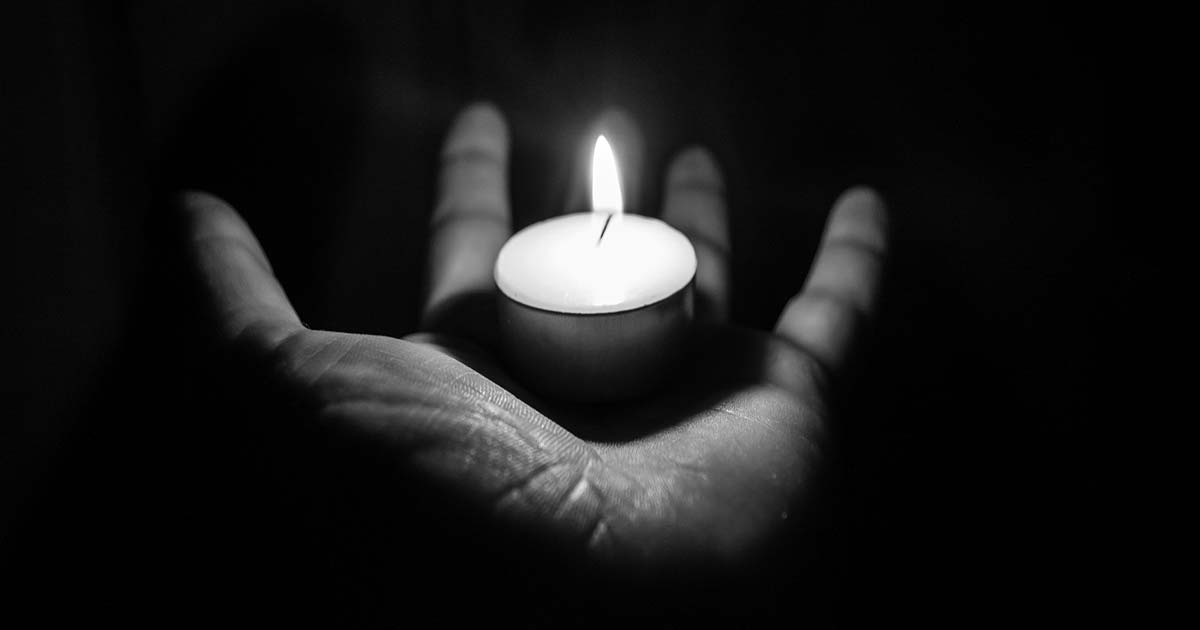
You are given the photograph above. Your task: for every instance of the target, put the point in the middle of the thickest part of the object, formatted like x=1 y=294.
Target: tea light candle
x=596 y=306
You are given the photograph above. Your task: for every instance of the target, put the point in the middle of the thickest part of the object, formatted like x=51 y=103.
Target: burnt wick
x=604 y=229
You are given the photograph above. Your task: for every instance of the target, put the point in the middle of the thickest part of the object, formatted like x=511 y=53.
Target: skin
x=709 y=468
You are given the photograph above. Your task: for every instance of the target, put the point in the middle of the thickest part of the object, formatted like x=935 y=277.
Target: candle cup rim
x=673 y=295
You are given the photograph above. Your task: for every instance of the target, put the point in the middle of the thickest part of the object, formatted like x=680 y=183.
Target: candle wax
x=565 y=265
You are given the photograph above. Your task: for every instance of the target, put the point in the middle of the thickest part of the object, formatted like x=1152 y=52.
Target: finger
x=234 y=271
x=626 y=140
x=694 y=203
x=471 y=220
x=844 y=282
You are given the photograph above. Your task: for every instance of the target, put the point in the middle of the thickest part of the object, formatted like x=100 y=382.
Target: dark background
x=968 y=482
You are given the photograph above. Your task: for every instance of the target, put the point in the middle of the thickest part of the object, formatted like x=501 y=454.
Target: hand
x=710 y=466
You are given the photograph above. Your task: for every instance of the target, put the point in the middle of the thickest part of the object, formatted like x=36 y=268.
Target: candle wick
x=604 y=229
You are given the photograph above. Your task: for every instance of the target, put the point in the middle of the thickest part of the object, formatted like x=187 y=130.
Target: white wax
x=563 y=265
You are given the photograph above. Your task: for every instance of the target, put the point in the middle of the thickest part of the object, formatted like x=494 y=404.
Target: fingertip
x=210 y=215
x=861 y=193
x=479 y=127
x=860 y=217
x=190 y=201
x=695 y=164
x=695 y=196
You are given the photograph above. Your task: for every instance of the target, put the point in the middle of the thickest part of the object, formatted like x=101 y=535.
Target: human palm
x=707 y=467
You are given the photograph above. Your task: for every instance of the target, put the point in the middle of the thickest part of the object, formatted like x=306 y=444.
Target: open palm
x=707 y=467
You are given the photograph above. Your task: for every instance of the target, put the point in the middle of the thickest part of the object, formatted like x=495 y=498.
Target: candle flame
x=606 y=183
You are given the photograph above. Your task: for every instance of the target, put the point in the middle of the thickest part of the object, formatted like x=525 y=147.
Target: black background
x=969 y=476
